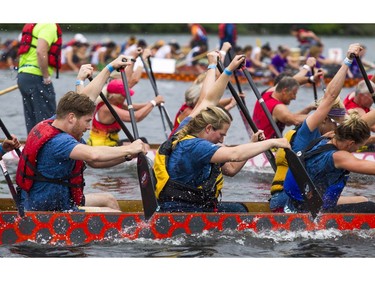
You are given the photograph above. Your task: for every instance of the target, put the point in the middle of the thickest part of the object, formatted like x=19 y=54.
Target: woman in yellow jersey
x=105 y=129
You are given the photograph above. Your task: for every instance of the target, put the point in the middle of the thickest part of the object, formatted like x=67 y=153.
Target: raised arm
x=212 y=91
x=94 y=88
x=333 y=89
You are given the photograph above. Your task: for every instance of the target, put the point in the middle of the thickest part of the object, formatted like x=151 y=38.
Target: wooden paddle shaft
x=9 y=89
x=198 y=57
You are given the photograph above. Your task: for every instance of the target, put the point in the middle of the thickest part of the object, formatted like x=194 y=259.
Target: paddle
x=149 y=67
x=245 y=112
x=9 y=89
x=248 y=129
x=13 y=192
x=155 y=87
x=308 y=190
x=324 y=87
x=365 y=77
x=314 y=87
x=161 y=107
x=145 y=173
x=186 y=61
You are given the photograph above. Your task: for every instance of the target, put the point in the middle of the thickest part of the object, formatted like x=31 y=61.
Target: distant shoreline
x=180 y=28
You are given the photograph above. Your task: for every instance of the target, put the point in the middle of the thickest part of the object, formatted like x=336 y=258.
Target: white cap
x=80 y=38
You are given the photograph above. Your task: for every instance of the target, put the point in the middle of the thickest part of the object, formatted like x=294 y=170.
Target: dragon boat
x=80 y=228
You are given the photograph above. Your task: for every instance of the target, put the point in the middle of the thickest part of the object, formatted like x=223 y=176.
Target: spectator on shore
x=38 y=59
x=282 y=62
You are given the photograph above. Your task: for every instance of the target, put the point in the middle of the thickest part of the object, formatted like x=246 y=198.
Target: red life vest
x=108 y=128
x=27 y=172
x=54 y=53
x=177 y=121
x=260 y=117
x=350 y=104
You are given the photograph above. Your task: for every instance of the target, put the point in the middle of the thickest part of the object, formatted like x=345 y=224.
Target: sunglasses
x=334 y=121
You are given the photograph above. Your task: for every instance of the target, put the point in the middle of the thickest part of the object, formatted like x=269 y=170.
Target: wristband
x=308 y=68
x=211 y=66
x=153 y=103
x=110 y=68
x=348 y=62
x=228 y=72
x=79 y=82
x=223 y=53
x=2 y=152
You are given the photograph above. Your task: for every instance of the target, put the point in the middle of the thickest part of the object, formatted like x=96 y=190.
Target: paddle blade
x=313 y=198
x=147 y=183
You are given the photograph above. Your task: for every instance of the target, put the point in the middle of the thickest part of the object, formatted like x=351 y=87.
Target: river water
x=246 y=186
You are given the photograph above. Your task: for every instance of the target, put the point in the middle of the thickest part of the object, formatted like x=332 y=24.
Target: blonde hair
x=200 y=78
x=192 y=94
x=353 y=128
x=337 y=109
x=362 y=87
x=214 y=115
x=314 y=51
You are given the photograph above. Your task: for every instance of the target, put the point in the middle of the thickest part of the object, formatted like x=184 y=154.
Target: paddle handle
x=150 y=69
x=314 y=86
x=365 y=77
x=8 y=135
x=13 y=192
x=261 y=102
x=167 y=117
x=324 y=87
x=231 y=55
x=130 y=104
x=149 y=74
x=162 y=109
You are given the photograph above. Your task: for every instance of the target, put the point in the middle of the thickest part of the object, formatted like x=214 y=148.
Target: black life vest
x=54 y=53
x=27 y=172
x=170 y=190
x=307 y=152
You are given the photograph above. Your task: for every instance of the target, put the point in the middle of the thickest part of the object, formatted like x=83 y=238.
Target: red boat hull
x=81 y=228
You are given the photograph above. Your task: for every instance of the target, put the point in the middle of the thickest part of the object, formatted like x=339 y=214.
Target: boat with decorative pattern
x=80 y=228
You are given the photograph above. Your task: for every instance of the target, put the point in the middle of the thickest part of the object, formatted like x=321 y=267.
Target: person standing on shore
x=228 y=33
x=40 y=52
x=198 y=35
